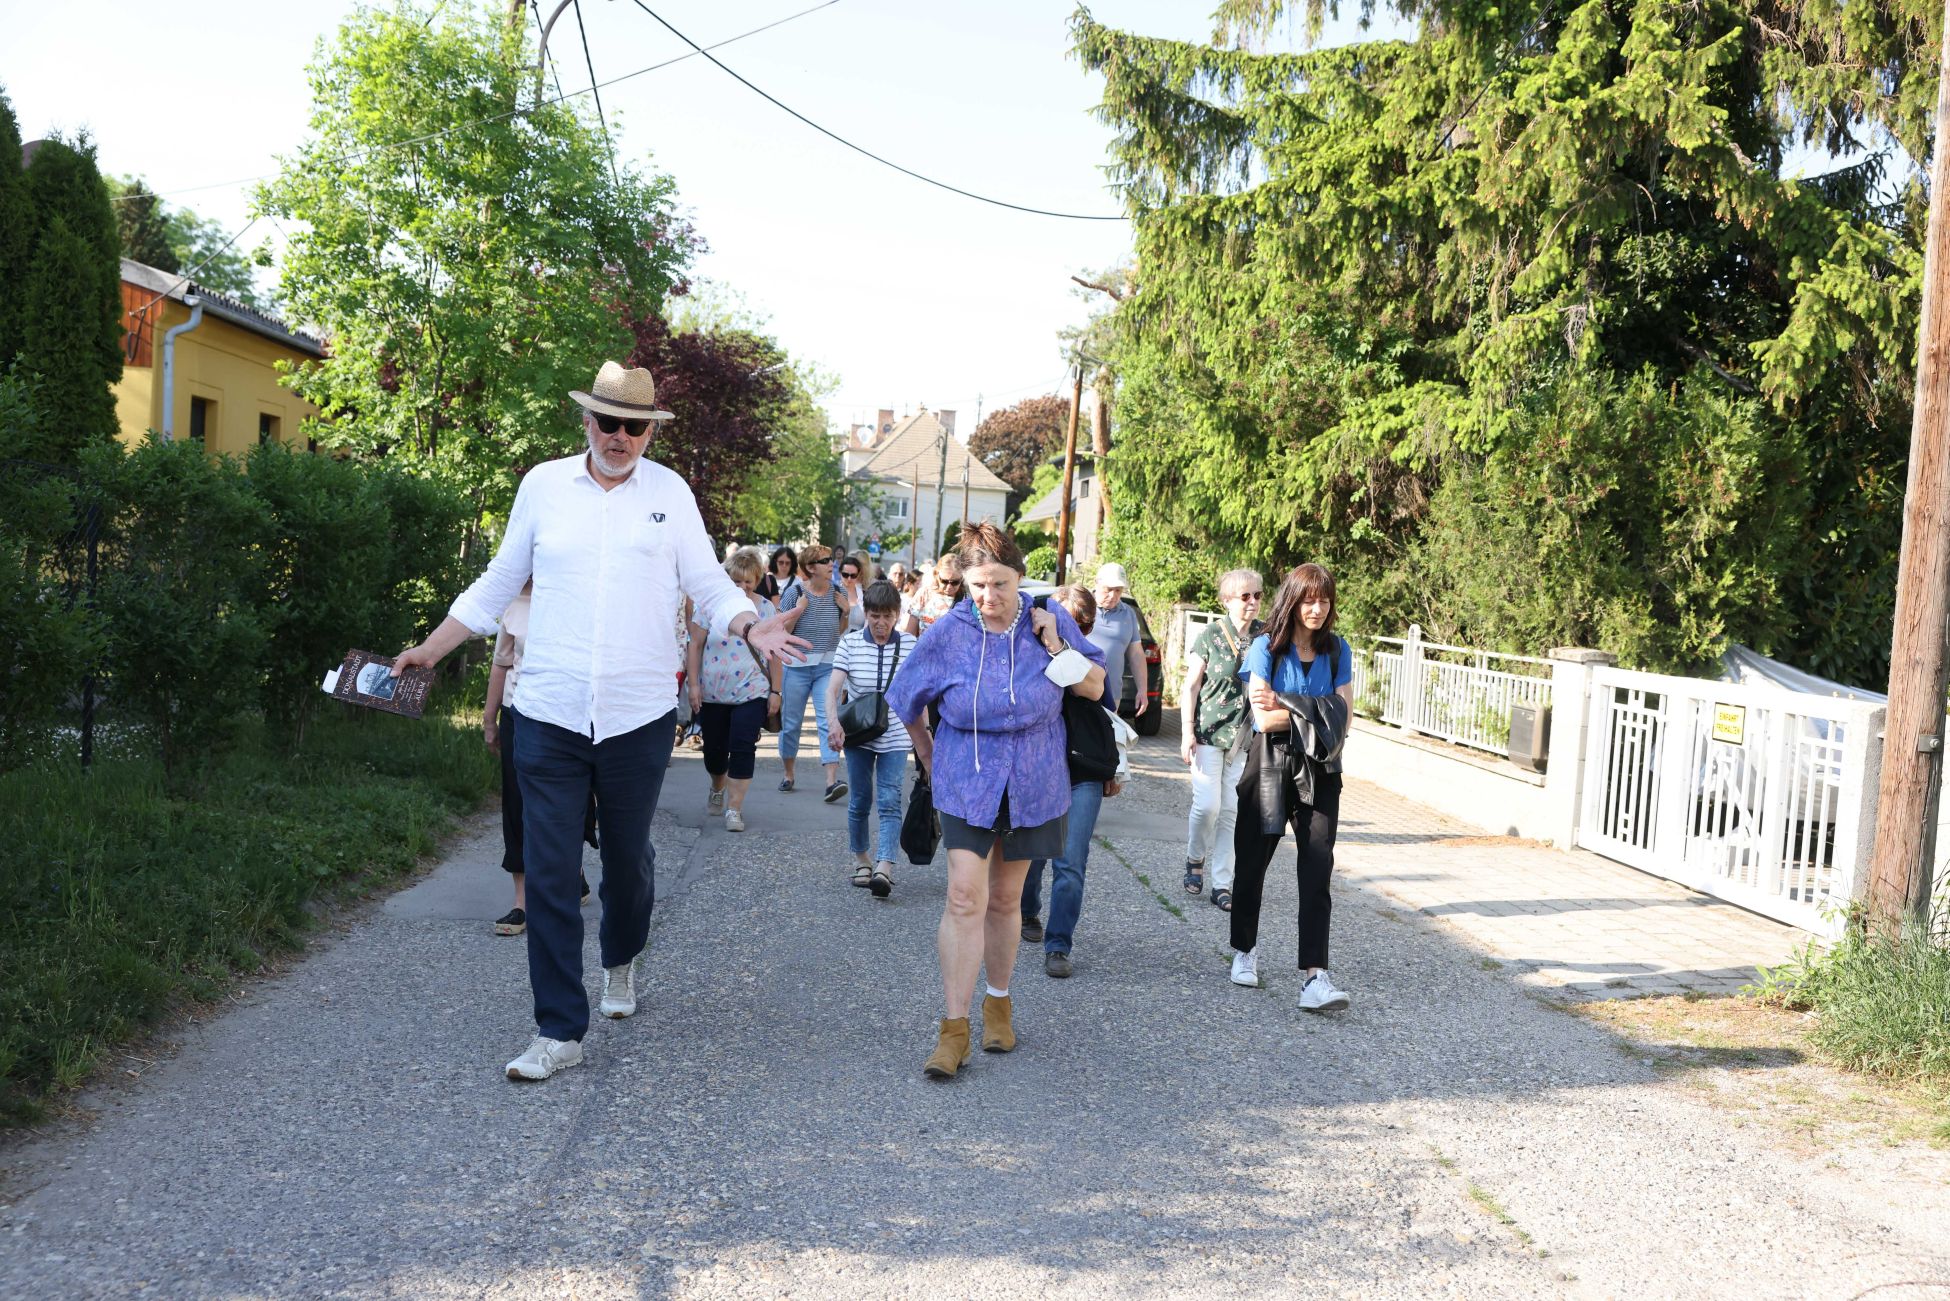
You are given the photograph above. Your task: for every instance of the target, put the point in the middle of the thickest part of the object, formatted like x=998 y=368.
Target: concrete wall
x=1476 y=788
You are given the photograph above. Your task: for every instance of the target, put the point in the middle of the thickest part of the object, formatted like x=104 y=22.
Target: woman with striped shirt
x=865 y=663
x=822 y=608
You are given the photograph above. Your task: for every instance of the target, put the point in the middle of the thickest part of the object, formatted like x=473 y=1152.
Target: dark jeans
x=1066 y=873
x=731 y=737
x=1313 y=832
x=558 y=770
x=511 y=860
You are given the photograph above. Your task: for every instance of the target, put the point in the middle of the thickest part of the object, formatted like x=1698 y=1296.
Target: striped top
x=821 y=624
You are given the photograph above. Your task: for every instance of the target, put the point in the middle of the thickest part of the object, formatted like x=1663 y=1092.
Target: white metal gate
x=1753 y=794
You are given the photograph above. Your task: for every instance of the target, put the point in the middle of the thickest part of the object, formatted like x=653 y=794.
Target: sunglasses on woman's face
x=610 y=424
x=849 y=573
x=947 y=583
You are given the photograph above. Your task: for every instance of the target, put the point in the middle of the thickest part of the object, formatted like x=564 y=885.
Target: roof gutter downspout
x=195 y=305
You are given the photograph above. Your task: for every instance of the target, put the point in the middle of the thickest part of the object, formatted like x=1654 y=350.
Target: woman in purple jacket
x=1000 y=771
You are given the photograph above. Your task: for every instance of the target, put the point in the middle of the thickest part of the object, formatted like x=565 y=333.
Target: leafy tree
x=726 y=389
x=470 y=253
x=1016 y=440
x=1384 y=291
x=71 y=298
x=175 y=239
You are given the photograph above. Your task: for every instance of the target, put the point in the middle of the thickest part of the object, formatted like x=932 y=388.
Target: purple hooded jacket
x=1001 y=719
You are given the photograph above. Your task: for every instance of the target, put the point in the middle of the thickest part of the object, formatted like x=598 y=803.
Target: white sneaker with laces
x=619 y=991
x=716 y=803
x=734 y=820
x=1321 y=994
x=545 y=1057
x=1245 y=969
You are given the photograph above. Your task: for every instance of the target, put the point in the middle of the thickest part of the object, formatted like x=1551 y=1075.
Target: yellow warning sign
x=1730 y=724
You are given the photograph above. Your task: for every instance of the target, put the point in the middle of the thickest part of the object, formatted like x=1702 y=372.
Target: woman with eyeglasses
x=780 y=575
x=1000 y=769
x=850 y=583
x=937 y=596
x=1212 y=706
x=1298 y=658
x=822 y=613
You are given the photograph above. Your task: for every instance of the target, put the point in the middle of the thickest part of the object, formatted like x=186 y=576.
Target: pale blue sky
x=906 y=293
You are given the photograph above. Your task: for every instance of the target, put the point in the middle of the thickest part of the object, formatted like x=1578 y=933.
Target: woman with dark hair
x=997 y=668
x=1299 y=656
x=781 y=573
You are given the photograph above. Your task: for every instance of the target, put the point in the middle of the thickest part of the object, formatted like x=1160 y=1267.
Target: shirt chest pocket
x=650 y=536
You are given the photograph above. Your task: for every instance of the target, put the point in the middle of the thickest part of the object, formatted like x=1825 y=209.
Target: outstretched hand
x=773 y=637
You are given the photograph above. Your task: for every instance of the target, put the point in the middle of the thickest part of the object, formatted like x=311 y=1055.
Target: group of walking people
x=1007 y=703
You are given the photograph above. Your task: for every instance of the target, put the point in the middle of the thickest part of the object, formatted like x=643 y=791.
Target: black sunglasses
x=610 y=424
x=849 y=573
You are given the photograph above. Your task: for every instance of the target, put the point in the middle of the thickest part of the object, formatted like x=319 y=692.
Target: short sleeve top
x=1319 y=678
x=867 y=666
x=1221 y=694
x=509 y=641
x=727 y=674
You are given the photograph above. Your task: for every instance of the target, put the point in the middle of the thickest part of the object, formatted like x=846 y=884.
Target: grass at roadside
x=1881 y=1006
x=127 y=896
x=1760 y=1062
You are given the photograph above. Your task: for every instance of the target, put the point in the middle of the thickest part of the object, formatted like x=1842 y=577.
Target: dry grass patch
x=1756 y=1061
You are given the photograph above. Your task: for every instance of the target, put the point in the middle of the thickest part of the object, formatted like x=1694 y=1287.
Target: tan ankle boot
x=951 y=1051
x=998 y=1024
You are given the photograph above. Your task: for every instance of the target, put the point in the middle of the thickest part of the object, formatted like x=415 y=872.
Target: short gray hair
x=1233 y=579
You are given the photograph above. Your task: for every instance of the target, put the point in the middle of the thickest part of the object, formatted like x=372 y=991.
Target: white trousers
x=1215 y=807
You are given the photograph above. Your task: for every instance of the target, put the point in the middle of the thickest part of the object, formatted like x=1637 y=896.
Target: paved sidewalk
x=1572 y=924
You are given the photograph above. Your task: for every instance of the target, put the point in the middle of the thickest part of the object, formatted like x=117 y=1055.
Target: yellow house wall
x=224 y=363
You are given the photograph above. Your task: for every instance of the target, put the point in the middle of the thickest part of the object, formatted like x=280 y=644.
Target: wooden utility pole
x=1100 y=445
x=964 y=496
x=1912 y=750
x=1069 y=474
x=914 y=526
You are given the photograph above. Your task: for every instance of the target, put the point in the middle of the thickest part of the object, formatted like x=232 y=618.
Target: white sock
x=997 y=993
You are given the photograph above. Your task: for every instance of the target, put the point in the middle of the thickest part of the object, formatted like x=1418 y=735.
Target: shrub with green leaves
x=178 y=590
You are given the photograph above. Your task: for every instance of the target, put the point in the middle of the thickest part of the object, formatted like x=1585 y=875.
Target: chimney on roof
x=885 y=422
x=947 y=419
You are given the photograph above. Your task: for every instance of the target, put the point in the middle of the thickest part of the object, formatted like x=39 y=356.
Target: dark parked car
x=1147 y=723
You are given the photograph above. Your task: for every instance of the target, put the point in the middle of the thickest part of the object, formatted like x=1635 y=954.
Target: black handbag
x=864 y=718
x=920 y=828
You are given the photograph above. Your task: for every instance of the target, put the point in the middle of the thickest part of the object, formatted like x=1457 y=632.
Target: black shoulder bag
x=1089 y=737
x=863 y=718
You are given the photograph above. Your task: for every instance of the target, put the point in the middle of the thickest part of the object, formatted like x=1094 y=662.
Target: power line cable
x=357 y=154
x=208 y=259
x=601 y=121
x=858 y=149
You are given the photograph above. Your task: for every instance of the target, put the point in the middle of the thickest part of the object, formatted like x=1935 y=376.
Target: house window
x=202 y=417
x=267 y=429
x=1083 y=487
x=900 y=509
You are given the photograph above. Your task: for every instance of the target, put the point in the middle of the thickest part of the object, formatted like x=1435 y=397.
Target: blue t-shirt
x=1294 y=679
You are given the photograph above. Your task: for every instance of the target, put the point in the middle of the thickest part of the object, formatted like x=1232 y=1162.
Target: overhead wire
x=860 y=149
x=354 y=155
x=601 y=121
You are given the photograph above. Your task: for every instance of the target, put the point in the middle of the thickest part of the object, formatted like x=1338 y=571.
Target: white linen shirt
x=611 y=570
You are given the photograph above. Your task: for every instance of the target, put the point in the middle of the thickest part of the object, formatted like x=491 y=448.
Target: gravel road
x=762 y=1128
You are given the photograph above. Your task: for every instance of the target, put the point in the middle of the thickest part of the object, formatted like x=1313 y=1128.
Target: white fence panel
x=1752 y=794
x=1451 y=692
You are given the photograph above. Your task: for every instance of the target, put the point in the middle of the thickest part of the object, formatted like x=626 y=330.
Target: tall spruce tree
x=1525 y=322
x=16 y=234
x=72 y=295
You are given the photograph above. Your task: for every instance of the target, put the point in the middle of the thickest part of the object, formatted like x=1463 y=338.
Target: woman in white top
x=498 y=723
x=731 y=696
x=938 y=595
x=863 y=663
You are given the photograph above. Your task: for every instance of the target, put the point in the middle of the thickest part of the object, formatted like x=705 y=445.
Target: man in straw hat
x=614 y=543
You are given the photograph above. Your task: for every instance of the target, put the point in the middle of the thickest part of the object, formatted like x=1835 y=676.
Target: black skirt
x=1018 y=843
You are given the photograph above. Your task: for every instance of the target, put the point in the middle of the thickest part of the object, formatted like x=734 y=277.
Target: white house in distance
x=900 y=467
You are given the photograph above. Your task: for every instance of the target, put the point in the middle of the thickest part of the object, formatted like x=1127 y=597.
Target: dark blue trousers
x=558 y=769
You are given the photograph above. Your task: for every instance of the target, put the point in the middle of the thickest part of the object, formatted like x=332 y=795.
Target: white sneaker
x=545 y=1057
x=1322 y=994
x=734 y=820
x=716 y=803
x=1245 y=969
x=619 y=991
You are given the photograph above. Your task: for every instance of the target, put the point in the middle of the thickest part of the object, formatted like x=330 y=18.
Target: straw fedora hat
x=630 y=394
